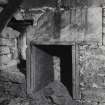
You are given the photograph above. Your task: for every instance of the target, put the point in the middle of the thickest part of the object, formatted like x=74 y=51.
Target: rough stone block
x=10 y=33
x=4 y=50
x=92 y=73
x=93 y=95
x=7 y=42
x=5 y=59
x=9 y=89
x=19 y=101
x=11 y=66
x=94 y=25
x=16 y=77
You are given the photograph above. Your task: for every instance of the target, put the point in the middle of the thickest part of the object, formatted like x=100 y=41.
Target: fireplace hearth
x=41 y=69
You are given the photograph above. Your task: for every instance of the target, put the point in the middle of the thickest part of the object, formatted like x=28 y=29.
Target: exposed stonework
x=53 y=94
x=12 y=81
x=12 y=85
x=82 y=29
x=10 y=33
x=92 y=74
x=8 y=46
x=7 y=42
x=85 y=26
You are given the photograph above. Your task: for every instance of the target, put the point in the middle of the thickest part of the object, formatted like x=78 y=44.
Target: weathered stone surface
x=96 y=95
x=16 y=77
x=92 y=73
x=53 y=94
x=7 y=42
x=14 y=50
x=10 y=89
x=12 y=85
x=82 y=28
x=9 y=33
x=82 y=3
x=4 y=50
x=44 y=25
x=85 y=27
x=11 y=66
x=5 y=59
x=19 y=101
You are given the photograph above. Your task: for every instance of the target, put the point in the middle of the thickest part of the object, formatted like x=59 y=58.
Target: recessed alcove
x=64 y=53
x=41 y=68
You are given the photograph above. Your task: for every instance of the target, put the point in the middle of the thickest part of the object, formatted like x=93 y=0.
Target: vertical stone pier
x=8 y=49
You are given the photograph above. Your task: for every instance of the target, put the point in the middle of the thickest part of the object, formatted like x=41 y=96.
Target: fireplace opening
x=64 y=54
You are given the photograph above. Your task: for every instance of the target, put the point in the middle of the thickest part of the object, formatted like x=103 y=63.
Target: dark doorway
x=64 y=52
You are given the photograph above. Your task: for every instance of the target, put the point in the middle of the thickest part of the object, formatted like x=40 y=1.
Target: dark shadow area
x=9 y=9
x=22 y=65
x=39 y=3
x=64 y=52
x=20 y=25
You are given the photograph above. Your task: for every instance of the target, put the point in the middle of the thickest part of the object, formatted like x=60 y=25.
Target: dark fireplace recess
x=64 y=52
x=41 y=71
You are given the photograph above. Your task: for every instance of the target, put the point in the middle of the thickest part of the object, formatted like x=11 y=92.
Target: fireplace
x=43 y=61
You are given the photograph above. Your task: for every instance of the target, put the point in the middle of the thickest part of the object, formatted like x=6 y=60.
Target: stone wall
x=75 y=25
x=85 y=28
x=12 y=81
x=8 y=46
x=83 y=25
x=92 y=74
x=86 y=25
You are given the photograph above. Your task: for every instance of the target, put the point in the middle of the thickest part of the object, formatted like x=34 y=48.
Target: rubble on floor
x=12 y=85
x=53 y=94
